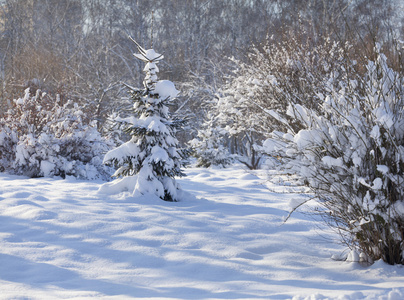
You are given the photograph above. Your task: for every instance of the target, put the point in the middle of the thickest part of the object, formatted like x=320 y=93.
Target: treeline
x=81 y=51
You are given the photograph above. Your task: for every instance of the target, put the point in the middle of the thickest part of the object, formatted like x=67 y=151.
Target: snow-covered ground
x=61 y=239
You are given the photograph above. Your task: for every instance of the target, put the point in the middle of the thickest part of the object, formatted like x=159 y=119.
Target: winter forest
x=202 y=149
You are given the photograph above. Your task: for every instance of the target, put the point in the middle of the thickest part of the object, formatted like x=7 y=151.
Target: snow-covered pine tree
x=208 y=146
x=150 y=160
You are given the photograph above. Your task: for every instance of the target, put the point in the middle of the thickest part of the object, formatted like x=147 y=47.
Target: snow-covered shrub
x=41 y=137
x=149 y=161
x=271 y=77
x=240 y=120
x=350 y=150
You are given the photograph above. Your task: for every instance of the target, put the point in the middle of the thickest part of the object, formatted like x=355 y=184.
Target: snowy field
x=60 y=239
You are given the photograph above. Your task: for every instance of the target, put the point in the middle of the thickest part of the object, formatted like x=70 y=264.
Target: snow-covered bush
x=349 y=149
x=273 y=75
x=41 y=137
x=149 y=161
x=239 y=118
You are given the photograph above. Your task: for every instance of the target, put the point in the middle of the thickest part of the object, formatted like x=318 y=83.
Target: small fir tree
x=208 y=146
x=150 y=160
